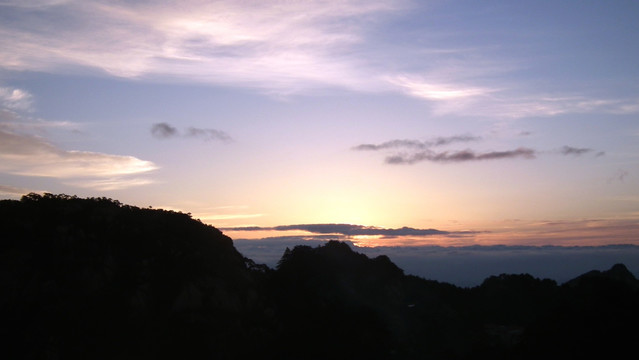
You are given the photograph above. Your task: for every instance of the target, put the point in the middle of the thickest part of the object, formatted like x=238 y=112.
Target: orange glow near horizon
x=560 y=233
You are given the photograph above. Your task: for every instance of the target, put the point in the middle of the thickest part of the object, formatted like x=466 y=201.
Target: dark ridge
x=617 y=274
x=97 y=279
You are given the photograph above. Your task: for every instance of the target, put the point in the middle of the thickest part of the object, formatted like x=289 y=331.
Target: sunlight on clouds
x=432 y=91
x=15 y=99
x=27 y=155
x=67 y=164
x=116 y=183
x=587 y=232
x=277 y=46
x=24 y=154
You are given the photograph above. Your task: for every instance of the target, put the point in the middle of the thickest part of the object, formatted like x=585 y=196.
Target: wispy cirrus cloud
x=165 y=131
x=280 y=47
x=504 y=105
x=32 y=3
x=110 y=183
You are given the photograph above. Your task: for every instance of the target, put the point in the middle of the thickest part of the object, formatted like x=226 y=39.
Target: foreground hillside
x=96 y=279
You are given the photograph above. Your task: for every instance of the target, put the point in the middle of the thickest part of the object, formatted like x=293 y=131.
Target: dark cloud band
x=416 y=144
x=163 y=131
x=458 y=156
x=346 y=230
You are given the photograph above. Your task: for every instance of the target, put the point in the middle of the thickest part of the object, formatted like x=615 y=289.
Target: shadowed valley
x=97 y=279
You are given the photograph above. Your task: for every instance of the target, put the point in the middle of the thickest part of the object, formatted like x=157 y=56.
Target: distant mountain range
x=97 y=279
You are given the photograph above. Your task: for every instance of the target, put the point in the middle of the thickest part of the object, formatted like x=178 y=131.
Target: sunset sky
x=380 y=122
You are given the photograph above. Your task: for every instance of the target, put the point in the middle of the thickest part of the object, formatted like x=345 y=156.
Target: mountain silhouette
x=618 y=273
x=97 y=279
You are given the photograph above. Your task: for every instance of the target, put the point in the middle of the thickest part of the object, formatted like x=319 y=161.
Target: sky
x=384 y=123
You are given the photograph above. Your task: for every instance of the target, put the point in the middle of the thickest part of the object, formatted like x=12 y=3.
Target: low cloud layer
x=166 y=131
x=346 y=230
x=468 y=265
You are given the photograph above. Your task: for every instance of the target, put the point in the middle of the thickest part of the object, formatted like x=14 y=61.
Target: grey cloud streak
x=207 y=134
x=459 y=156
x=349 y=230
x=419 y=151
x=416 y=144
x=165 y=131
x=410 y=152
x=570 y=150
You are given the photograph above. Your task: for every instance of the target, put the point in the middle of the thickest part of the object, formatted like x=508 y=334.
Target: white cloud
x=15 y=99
x=28 y=155
x=422 y=88
x=109 y=184
x=24 y=154
x=551 y=105
x=277 y=46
